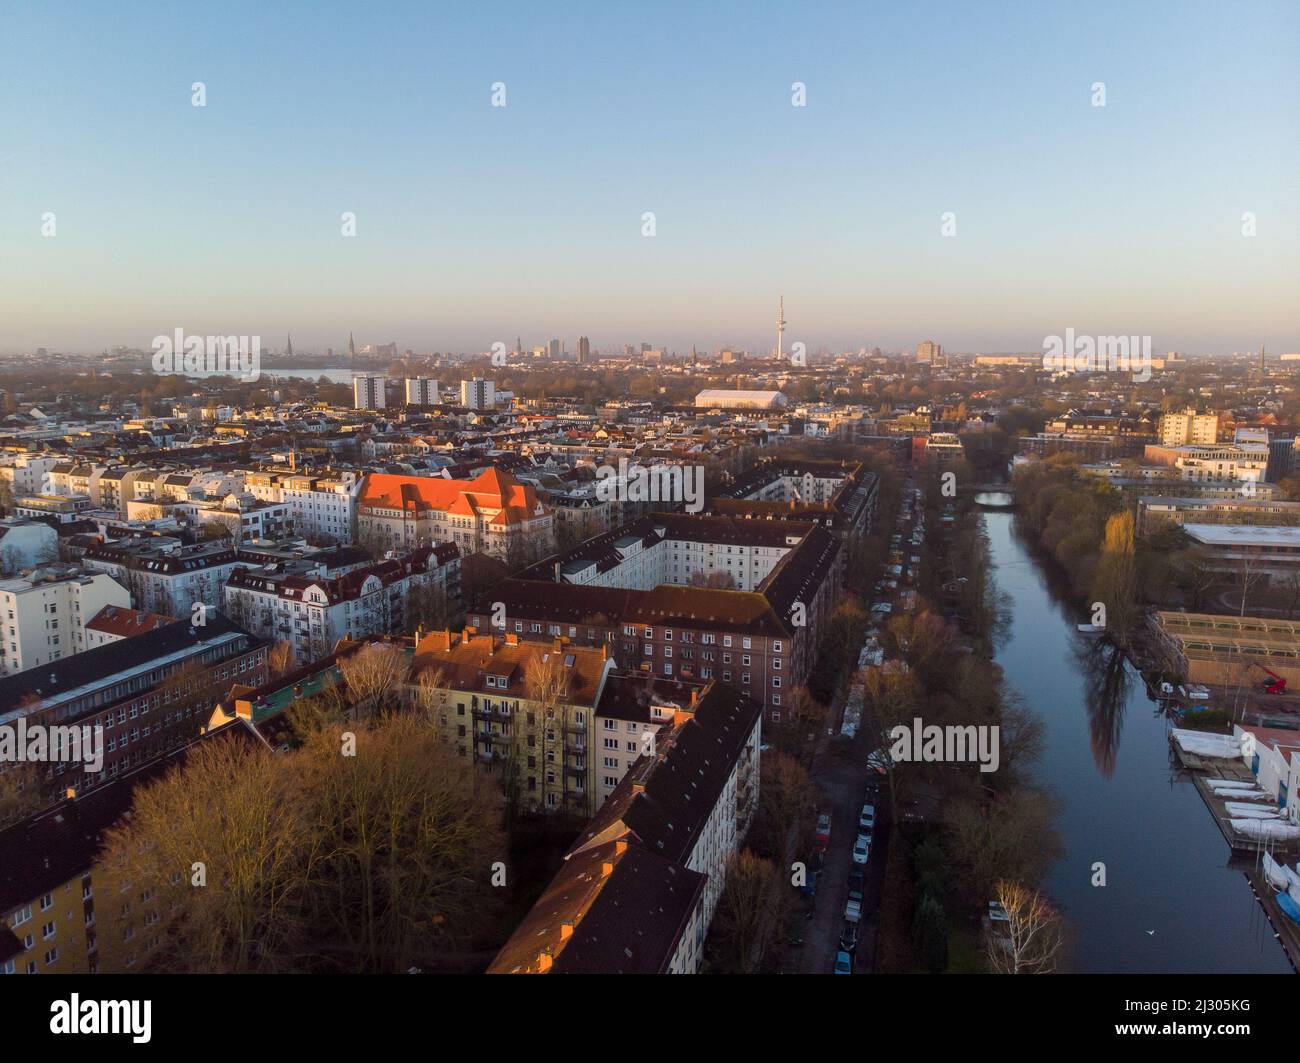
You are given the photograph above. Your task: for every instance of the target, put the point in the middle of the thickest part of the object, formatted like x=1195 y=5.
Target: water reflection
x=1107 y=685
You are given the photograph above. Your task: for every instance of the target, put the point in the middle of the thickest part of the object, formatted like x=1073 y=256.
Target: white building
x=368 y=391
x=305 y=606
x=421 y=391
x=478 y=394
x=164 y=575
x=1180 y=429
x=26 y=473
x=44 y=614
x=726 y=399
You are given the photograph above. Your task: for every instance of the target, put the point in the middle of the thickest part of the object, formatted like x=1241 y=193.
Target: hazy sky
x=477 y=224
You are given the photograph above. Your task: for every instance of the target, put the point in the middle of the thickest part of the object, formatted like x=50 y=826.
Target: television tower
x=780 y=329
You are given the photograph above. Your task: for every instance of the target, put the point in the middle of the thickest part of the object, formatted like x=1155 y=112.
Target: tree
x=745 y=918
x=786 y=798
x=20 y=792
x=1034 y=938
x=1116 y=578
x=930 y=934
x=406 y=834
x=279 y=659
x=223 y=844
x=373 y=676
x=364 y=851
x=547 y=682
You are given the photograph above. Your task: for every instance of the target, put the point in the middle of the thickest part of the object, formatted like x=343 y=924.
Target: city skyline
x=478 y=223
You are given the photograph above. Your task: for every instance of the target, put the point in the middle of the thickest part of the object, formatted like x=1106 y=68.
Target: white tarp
x=1206 y=745
x=1245 y=811
x=1273 y=829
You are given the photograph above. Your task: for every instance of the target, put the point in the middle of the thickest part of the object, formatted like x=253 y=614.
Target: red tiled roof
x=492 y=489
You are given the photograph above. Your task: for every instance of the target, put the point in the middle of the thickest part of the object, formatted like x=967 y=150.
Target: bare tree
x=548 y=682
x=1033 y=941
x=373 y=675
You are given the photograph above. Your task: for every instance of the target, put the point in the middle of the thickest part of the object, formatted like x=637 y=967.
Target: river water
x=1170 y=903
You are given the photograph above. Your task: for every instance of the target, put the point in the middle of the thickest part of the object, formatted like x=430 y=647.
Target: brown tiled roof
x=118 y=620
x=466 y=662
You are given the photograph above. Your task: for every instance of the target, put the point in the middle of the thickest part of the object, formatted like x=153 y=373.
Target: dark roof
x=105 y=662
x=629 y=696
x=666 y=799
x=625 y=910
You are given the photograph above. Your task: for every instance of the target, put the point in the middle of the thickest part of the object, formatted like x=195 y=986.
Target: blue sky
x=477 y=224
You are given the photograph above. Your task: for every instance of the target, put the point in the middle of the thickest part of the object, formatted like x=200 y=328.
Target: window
x=47 y=902
x=22 y=915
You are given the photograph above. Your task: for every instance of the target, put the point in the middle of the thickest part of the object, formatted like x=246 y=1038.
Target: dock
x=1286 y=932
x=1203 y=769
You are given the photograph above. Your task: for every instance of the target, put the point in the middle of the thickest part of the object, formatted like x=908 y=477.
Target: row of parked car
x=857 y=886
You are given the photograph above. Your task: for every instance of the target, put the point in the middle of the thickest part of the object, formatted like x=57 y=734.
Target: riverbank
x=1143 y=879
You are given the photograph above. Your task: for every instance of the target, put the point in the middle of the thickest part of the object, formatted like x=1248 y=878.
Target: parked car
x=862 y=849
x=867 y=818
x=843 y=963
x=849 y=937
x=823 y=835
x=853 y=908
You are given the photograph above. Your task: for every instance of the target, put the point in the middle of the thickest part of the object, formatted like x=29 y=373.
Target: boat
x=1276 y=874
x=1288 y=905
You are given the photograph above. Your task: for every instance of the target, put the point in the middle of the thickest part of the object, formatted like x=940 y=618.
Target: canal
x=1170 y=903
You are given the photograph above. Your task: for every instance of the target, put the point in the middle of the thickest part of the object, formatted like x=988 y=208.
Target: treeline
x=1090 y=530
x=962 y=836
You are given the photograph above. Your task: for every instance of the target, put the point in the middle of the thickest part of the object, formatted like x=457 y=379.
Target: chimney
x=557 y=572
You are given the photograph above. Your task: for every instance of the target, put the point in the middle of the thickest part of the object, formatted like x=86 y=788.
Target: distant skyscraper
x=478 y=394
x=421 y=391
x=928 y=351
x=368 y=391
x=352 y=349
x=288 y=349
x=584 y=349
x=553 y=350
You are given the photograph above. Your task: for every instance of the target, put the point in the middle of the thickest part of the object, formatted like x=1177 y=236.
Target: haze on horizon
x=478 y=224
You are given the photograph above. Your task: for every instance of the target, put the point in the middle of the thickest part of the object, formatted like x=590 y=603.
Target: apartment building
x=1155 y=508
x=841 y=495
x=421 y=391
x=1180 y=429
x=163 y=574
x=25 y=474
x=368 y=391
x=322 y=507
x=44 y=614
x=493 y=513
x=309 y=607
x=633 y=712
x=504 y=700
x=769 y=588
x=637 y=891
x=144 y=696
x=1244 y=464
x=478 y=394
